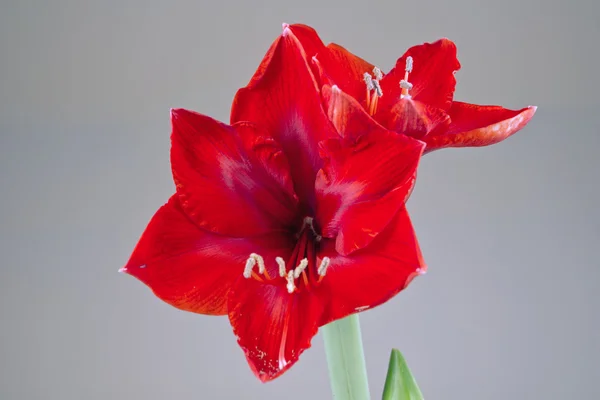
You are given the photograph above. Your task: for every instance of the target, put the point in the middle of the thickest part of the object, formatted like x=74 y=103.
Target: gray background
x=509 y=308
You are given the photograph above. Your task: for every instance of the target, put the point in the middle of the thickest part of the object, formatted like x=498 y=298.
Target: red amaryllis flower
x=285 y=223
x=415 y=98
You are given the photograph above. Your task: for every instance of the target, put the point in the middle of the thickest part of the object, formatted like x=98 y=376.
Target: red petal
x=432 y=76
x=269 y=154
x=367 y=175
x=472 y=125
x=283 y=97
x=340 y=67
x=309 y=39
x=335 y=65
x=190 y=268
x=223 y=187
x=373 y=275
x=273 y=327
x=348 y=117
x=413 y=118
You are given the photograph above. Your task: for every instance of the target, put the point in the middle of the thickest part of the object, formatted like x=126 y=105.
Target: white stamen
x=405 y=84
x=409 y=64
x=260 y=261
x=290 y=282
x=322 y=270
x=369 y=81
x=253 y=260
x=377 y=73
x=250 y=263
x=301 y=267
x=377 y=88
x=281 y=264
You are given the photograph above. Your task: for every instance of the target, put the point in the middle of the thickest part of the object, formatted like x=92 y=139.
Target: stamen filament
x=305 y=279
x=257 y=277
x=373 y=106
x=266 y=274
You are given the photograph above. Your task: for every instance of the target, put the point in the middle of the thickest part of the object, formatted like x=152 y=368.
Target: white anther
x=377 y=73
x=253 y=260
x=260 y=261
x=409 y=64
x=369 y=81
x=281 y=264
x=301 y=267
x=290 y=281
x=377 y=88
x=322 y=270
x=405 y=85
x=250 y=263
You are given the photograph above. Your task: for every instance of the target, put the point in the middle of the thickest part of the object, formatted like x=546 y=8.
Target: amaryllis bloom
x=415 y=98
x=283 y=220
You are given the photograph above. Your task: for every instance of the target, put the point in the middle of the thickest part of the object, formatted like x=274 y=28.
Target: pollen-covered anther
x=409 y=64
x=322 y=270
x=281 y=263
x=377 y=73
x=373 y=86
x=301 y=267
x=373 y=83
x=404 y=83
x=253 y=260
x=378 y=88
x=368 y=81
x=291 y=286
x=250 y=263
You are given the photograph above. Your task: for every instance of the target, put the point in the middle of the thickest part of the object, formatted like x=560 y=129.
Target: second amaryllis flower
x=414 y=98
x=283 y=220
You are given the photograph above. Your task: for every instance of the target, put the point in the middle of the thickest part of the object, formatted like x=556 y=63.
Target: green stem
x=345 y=359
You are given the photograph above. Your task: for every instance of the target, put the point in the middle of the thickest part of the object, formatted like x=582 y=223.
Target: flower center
x=404 y=83
x=374 y=91
x=300 y=270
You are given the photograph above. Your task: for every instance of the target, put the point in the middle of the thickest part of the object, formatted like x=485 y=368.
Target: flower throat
x=300 y=271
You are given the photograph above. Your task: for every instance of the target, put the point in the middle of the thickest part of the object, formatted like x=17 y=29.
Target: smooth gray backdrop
x=509 y=308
